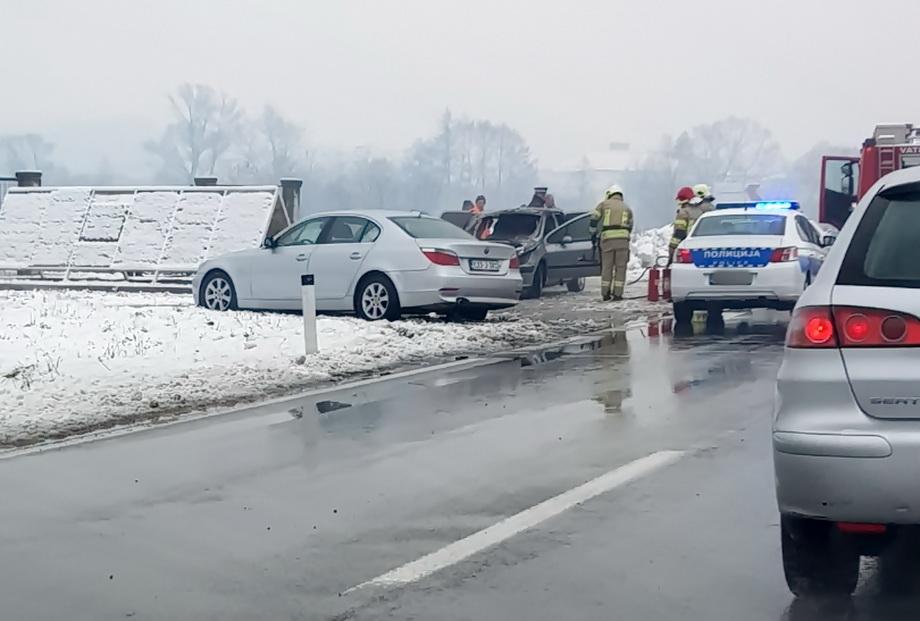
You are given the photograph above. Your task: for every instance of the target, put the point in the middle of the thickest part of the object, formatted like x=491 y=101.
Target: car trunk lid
x=477 y=258
x=885 y=380
x=880 y=277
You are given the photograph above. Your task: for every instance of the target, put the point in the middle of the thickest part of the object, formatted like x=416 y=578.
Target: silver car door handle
x=302 y=257
x=356 y=255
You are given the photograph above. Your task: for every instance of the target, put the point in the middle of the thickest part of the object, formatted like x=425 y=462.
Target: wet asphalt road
x=274 y=514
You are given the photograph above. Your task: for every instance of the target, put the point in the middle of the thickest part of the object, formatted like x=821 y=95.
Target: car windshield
x=740 y=224
x=429 y=228
x=511 y=226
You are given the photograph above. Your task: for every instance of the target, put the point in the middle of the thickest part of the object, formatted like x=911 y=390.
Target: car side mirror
x=566 y=239
x=269 y=242
x=828 y=241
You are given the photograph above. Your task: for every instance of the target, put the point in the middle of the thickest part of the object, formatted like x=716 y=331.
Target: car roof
x=734 y=211
x=369 y=213
x=525 y=210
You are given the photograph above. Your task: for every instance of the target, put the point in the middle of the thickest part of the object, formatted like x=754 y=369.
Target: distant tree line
x=211 y=134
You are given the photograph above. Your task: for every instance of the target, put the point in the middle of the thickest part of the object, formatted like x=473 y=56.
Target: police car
x=746 y=255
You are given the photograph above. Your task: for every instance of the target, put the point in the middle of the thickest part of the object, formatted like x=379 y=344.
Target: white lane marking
x=528 y=518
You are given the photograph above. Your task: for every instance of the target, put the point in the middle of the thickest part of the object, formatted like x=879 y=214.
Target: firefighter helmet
x=702 y=190
x=614 y=189
x=685 y=194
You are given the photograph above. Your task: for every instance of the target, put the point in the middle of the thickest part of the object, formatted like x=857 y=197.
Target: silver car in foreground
x=846 y=432
x=376 y=264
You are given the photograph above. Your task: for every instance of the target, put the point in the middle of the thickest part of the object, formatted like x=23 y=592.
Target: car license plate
x=731 y=277
x=484 y=265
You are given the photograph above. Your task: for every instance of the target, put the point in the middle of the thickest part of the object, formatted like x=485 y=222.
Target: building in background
x=579 y=185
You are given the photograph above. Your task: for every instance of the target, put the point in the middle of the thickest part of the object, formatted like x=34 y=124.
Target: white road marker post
x=308 y=295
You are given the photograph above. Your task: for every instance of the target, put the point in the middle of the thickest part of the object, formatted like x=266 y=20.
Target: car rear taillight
x=851 y=326
x=784 y=255
x=515 y=263
x=683 y=255
x=811 y=327
x=441 y=257
x=876 y=327
x=861 y=528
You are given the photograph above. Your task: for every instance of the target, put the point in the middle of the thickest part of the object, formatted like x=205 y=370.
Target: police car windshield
x=740 y=224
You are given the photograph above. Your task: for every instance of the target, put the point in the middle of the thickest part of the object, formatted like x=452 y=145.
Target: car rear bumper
x=831 y=460
x=443 y=288
x=776 y=284
x=854 y=483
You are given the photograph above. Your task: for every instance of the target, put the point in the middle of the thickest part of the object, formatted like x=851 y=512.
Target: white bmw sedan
x=376 y=264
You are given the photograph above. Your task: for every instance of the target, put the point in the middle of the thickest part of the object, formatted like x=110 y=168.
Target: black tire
x=535 y=290
x=383 y=302
x=472 y=314
x=576 y=285
x=683 y=312
x=818 y=561
x=218 y=292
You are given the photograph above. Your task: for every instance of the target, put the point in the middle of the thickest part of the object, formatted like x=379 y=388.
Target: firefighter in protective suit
x=706 y=199
x=690 y=206
x=612 y=224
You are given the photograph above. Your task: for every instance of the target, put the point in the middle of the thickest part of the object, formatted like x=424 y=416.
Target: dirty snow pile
x=73 y=361
x=646 y=246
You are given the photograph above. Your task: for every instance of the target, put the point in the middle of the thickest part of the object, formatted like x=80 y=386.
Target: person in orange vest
x=480 y=205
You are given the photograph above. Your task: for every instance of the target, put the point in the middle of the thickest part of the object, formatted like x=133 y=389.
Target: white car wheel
x=218 y=293
x=375 y=300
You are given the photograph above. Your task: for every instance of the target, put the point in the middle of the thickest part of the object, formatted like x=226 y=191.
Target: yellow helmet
x=614 y=189
x=702 y=190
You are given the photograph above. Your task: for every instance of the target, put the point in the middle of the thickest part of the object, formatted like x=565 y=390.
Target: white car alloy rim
x=217 y=294
x=375 y=300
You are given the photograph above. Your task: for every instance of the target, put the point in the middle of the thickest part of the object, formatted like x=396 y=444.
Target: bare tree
x=732 y=149
x=206 y=125
x=375 y=181
x=284 y=141
x=469 y=157
x=26 y=152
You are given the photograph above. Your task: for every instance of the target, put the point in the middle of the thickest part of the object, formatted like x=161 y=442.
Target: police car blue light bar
x=760 y=205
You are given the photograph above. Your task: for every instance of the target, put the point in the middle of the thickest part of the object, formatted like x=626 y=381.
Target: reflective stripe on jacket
x=614 y=218
x=686 y=217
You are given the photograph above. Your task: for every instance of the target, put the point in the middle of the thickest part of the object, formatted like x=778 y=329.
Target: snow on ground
x=645 y=247
x=73 y=361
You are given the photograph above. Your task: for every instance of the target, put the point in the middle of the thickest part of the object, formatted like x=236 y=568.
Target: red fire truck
x=844 y=179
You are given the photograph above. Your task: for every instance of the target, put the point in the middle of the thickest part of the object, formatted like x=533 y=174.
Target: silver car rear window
x=429 y=228
x=885 y=250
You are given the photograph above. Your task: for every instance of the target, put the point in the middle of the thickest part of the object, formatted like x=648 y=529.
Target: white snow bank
x=646 y=246
x=71 y=361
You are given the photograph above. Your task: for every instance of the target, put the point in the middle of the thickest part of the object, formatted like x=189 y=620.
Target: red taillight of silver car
x=441 y=257
x=821 y=327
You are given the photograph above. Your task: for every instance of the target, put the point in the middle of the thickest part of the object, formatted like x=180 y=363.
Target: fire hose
x=660 y=262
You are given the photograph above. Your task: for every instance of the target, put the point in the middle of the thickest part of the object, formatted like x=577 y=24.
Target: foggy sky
x=571 y=76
